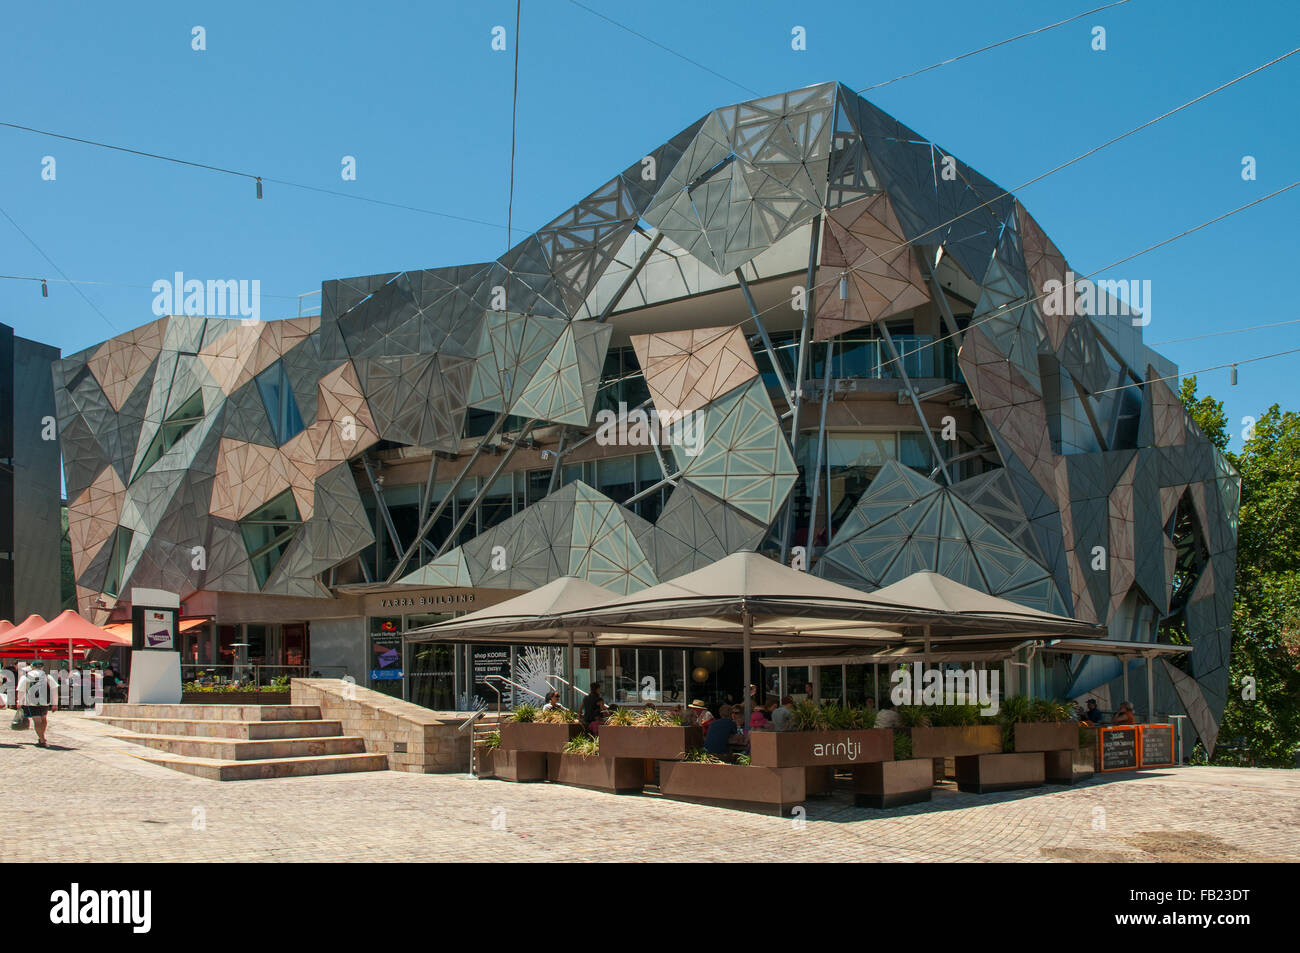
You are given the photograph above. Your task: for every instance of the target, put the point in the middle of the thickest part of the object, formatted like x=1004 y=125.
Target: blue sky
x=416 y=94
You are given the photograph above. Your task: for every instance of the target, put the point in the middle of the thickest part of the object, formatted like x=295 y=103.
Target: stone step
x=215 y=769
x=235 y=749
x=214 y=712
x=246 y=730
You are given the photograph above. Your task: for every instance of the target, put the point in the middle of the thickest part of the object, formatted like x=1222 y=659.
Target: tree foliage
x=1264 y=690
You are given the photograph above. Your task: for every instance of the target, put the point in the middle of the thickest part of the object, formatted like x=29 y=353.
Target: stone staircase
x=241 y=742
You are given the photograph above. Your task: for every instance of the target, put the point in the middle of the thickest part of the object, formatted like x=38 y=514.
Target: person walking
x=38 y=697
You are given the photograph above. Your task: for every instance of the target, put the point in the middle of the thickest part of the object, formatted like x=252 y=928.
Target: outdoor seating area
x=78 y=652
x=926 y=630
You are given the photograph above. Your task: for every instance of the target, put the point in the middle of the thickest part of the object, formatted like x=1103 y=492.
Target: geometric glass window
x=117 y=560
x=181 y=422
x=267 y=532
x=281 y=408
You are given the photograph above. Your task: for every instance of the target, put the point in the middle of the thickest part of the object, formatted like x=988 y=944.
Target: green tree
x=1264 y=690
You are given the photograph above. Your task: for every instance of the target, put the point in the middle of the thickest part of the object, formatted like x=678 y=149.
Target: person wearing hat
x=700 y=714
x=37 y=695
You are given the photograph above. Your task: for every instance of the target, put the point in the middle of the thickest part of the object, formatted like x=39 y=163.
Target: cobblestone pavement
x=91 y=801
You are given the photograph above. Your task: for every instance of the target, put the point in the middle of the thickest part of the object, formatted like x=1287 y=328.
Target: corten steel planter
x=893 y=783
x=812 y=749
x=956 y=741
x=519 y=765
x=537 y=736
x=986 y=773
x=619 y=775
x=745 y=787
x=484 y=761
x=663 y=743
x=1066 y=767
x=1041 y=736
x=819 y=782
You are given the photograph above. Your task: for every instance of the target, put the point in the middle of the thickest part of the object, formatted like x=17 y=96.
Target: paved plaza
x=92 y=801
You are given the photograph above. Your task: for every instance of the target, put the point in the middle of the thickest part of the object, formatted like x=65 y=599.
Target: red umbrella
x=28 y=625
x=65 y=629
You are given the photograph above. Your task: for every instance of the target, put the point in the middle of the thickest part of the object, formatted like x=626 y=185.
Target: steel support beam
x=821 y=454
x=483 y=490
x=631 y=277
x=800 y=362
x=382 y=506
x=911 y=392
x=767 y=341
x=447 y=498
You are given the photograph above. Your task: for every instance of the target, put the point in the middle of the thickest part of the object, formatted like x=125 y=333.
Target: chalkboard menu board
x=1119 y=748
x=1157 y=746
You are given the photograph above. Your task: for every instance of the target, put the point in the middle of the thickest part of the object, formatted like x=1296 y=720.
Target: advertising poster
x=159 y=629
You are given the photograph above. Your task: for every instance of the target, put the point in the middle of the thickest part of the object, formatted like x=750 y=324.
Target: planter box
x=819 y=782
x=811 y=749
x=1066 y=767
x=519 y=765
x=665 y=743
x=1038 y=736
x=893 y=783
x=536 y=736
x=484 y=765
x=985 y=773
x=956 y=741
x=619 y=775
x=747 y=787
x=235 y=698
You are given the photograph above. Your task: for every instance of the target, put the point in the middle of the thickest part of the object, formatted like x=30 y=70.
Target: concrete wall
x=30 y=492
x=339 y=642
x=414 y=739
x=37 y=485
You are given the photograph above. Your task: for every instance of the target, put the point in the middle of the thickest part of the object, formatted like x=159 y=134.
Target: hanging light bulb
x=259 y=186
x=1233 y=376
x=45 y=289
x=844 y=286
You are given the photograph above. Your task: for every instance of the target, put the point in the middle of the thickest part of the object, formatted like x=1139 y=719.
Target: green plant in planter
x=556 y=716
x=1014 y=709
x=808 y=716
x=902 y=746
x=742 y=759
x=651 y=718
x=492 y=740
x=954 y=716
x=700 y=756
x=524 y=714
x=914 y=716
x=622 y=718
x=585 y=746
x=1051 y=710
x=675 y=719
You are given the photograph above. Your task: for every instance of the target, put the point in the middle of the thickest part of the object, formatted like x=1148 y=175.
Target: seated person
x=760 y=719
x=552 y=701
x=699 y=713
x=887 y=717
x=1125 y=715
x=720 y=731
x=781 y=716
x=1093 y=714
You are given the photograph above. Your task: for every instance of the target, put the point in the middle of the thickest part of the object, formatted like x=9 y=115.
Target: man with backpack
x=37 y=695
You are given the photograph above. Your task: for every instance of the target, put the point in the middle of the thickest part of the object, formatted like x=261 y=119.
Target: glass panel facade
x=281 y=407
x=267 y=532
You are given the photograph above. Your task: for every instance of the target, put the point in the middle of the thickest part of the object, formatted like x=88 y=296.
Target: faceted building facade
x=859 y=352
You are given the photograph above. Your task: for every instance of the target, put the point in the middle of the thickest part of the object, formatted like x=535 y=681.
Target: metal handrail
x=502 y=678
x=566 y=682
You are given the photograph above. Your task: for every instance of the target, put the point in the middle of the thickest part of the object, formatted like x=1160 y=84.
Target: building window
x=267 y=533
x=181 y=422
x=117 y=561
x=281 y=408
